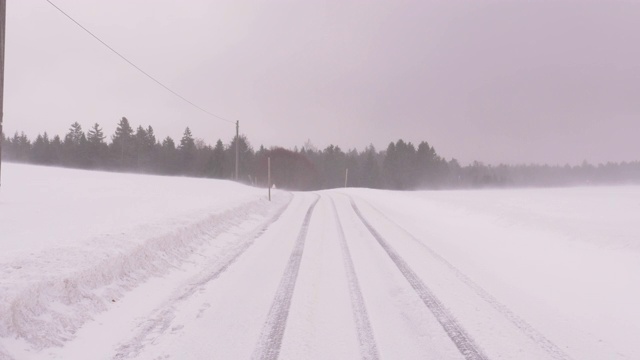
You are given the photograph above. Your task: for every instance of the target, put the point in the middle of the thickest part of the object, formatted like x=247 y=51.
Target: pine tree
x=23 y=147
x=95 y=136
x=75 y=136
x=168 y=143
x=187 y=150
x=370 y=169
x=75 y=147
x=151 y=138
x=426 y=163
x=150 y=149
x=97 y=147
x=124 y=129
x=56 y=150
x=145 y=142
x=169 y=162
x=41 y=151
x=333 y=167
x=218 y=160
x=245 y=157
x=187 y=142
x=122 y=144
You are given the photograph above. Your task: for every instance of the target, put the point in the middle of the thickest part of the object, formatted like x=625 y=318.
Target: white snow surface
x=97 y=265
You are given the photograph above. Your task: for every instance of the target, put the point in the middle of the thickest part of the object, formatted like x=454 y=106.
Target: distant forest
x=401 y=166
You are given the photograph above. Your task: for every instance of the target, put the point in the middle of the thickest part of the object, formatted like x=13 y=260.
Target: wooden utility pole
x=346 y=177
x=3 y=17
x=269 y=175
x=237 y=144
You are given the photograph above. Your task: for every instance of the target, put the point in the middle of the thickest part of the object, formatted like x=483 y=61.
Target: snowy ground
x=115 y=266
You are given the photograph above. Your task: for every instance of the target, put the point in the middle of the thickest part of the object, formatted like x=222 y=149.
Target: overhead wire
x=137 y=67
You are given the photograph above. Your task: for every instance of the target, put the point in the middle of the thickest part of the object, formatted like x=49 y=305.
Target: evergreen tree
x=426 y=163
x=97 y=147
x=168 y=143
x=151 y=138
x=124 y=129
x=122 y=145
x=75 y=136
x=390 y=166
x=41 y=152
x=56 y=150
x=187 y=142
x=334 y=166
x=352 y=163
x=169 y=162
x=146 y=148
x=23 y=147
x=245 y=158
x=141 y=149
x=370 y=169
x=95 y=136
x=187 y=151
x=75 y=147
x=218 y=160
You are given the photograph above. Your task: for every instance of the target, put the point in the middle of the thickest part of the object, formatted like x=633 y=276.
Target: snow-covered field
x=100 y=266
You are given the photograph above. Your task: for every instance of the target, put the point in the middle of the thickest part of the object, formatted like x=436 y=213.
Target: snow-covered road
x=355 y=273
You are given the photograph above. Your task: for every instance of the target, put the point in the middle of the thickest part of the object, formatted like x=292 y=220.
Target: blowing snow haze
x=515 y=82
x=305 y=248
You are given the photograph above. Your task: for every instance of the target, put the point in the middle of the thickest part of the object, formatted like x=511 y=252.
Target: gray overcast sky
x=504 y=81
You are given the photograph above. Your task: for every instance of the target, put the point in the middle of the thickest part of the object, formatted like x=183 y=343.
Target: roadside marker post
x=237 y=141
x=269 y=176
x=346 y=177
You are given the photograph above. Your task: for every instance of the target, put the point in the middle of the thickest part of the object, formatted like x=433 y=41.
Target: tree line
x=400 y=166
x=126 y=150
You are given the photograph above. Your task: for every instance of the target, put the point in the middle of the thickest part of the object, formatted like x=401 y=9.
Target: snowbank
x=73 y=241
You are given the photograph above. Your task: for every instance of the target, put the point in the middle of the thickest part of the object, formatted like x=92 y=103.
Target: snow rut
x=49 y=311
x=368 y=348
x=157 y=325
x=454 y=330
x=549 y=347
x=273 y=330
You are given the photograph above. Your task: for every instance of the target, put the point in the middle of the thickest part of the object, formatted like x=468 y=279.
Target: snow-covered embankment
x=73 y=242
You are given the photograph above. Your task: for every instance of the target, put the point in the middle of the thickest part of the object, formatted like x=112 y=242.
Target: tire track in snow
x=161 y=322
x=48 y=310
x=552 y=349
x=273 y=330
x=368 y=348
x=454 y=330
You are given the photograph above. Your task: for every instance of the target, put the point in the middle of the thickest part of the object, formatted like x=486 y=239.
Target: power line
x=137 y=67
